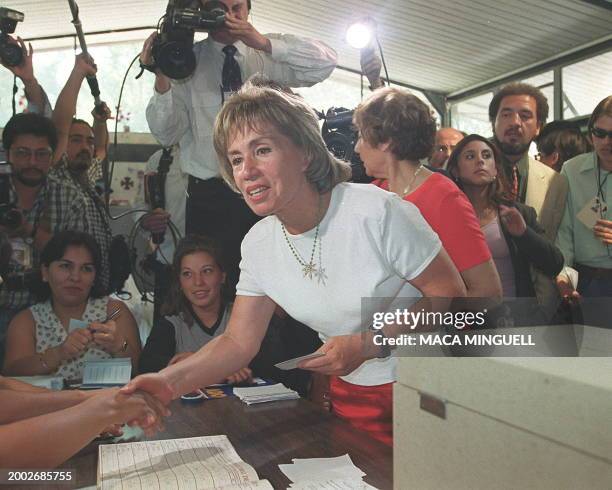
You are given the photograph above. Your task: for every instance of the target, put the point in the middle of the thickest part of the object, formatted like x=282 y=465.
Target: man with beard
x=517 y=112
x=75 y=162
x=39 y=207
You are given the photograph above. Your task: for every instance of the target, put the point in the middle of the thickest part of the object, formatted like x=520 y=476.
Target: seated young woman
x=510 y=228
x=197 y=312
x=40 y=339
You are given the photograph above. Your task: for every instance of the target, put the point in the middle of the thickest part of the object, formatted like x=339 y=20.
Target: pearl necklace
x=408 y=188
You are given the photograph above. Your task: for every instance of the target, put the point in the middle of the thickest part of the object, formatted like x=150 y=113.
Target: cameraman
x=34 y=209
x=184 y=112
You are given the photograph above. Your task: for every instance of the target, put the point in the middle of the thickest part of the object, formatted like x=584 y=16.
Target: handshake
x=141 y=403
x=116 y=409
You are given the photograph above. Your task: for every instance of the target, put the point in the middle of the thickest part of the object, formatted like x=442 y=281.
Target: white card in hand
x=293 y=363
x=76 y=324
x=589 y=214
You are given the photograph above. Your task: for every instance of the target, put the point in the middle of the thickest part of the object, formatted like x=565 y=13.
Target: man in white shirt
x=184 y=112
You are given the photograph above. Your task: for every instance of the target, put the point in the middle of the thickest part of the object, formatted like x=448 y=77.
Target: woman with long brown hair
x=197 y=311
x=511 y=230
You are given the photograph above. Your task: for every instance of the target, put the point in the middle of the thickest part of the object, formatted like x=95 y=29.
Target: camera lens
x=11 y=54
x=175 y=59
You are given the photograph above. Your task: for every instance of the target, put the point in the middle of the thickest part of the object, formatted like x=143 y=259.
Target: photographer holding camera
x=33 y=206
x=37 y=99
x=184 y=112
x=18 y=60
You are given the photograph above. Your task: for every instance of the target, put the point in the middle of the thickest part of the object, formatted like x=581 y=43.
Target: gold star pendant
x=309 y=270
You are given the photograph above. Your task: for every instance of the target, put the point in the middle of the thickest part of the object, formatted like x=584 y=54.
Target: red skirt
x=367 y=408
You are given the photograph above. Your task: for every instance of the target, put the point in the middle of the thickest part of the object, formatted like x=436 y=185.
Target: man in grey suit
x=518 y=112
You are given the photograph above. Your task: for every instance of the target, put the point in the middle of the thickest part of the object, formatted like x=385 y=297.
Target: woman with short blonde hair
x=323 y=245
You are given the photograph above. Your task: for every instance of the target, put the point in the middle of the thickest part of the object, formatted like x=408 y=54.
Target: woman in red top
x=396 y=131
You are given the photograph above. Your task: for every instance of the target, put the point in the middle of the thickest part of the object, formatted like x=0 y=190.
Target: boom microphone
x=92 y=81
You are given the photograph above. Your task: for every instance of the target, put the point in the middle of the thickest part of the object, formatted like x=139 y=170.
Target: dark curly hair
x=499 y=190
x=400 y=118
x=519 y=88
x=56 y=248
x=176 y=303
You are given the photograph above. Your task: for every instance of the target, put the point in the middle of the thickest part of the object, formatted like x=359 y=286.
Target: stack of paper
x=263 y=394
x=196 y=462
x=320 y=473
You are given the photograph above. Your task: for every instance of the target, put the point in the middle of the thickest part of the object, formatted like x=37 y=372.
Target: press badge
x=591 y=212
x=22 y=252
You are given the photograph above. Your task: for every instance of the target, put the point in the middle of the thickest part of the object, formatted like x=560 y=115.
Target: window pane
x=472 y=115
x=113 y=60
x=545 y=82
x=585 y=84
x=540 y=80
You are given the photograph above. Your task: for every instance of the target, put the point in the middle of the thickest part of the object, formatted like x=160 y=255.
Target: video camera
x=340 y=138
x=173 y=47
x=10 y=216
x=10 y=53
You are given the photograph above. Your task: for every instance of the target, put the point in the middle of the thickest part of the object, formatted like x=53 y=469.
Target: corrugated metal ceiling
x=439 y=45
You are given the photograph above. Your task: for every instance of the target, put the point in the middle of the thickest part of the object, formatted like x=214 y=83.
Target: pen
x=113 y=314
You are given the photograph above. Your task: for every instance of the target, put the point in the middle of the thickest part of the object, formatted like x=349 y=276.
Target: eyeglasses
x=25 y=154
x=600 y=133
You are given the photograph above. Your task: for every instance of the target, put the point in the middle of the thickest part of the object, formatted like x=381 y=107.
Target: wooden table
x=265 y=436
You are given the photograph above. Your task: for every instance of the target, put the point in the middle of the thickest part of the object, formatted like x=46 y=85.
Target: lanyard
x=601 y=199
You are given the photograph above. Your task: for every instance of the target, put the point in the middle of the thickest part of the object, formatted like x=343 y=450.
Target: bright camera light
x=359 y=34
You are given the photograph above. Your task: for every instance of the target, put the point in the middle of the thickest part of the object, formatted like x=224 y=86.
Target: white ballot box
x=503 y=423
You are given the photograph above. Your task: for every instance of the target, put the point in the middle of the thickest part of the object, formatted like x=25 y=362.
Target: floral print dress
x=50 y=333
